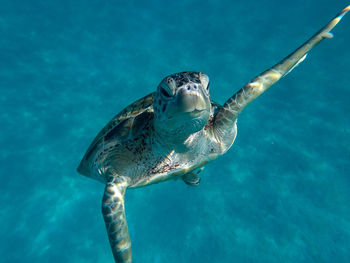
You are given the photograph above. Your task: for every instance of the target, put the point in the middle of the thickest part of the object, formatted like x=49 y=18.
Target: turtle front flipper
x=114 y=215
x=226 y=118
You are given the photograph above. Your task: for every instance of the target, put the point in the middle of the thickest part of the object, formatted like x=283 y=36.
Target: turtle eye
x=164 y=93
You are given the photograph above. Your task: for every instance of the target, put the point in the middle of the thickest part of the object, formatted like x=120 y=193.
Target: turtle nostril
x=191 y=87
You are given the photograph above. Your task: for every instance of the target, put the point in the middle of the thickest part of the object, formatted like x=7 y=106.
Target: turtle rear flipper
x=192 y=178
x=114 y=215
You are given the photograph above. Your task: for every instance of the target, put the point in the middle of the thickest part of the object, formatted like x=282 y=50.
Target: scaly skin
x=171 y=133
x=226 y=119
x=114 y=215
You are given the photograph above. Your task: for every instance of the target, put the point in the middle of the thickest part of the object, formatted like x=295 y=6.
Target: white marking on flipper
x=300 y=60
x=327 y=35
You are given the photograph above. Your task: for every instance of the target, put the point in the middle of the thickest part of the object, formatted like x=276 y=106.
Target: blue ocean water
x=281 y=194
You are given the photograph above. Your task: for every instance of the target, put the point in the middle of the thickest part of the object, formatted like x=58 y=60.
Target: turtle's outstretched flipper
x=114 y=216
x=225 y=119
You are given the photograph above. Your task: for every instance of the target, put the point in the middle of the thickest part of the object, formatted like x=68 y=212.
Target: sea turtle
x=172 y=133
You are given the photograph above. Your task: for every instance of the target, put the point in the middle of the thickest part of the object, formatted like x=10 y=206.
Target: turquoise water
x=281 y=194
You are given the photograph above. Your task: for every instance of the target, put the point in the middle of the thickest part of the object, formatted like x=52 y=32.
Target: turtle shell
x=117 y=129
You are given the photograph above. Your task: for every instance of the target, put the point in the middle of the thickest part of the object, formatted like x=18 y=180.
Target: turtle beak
x=190 y=99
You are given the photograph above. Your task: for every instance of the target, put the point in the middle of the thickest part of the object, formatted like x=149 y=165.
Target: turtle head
x=182 y=104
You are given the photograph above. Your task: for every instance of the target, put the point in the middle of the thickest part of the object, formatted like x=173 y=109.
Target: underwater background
x=281 y=194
